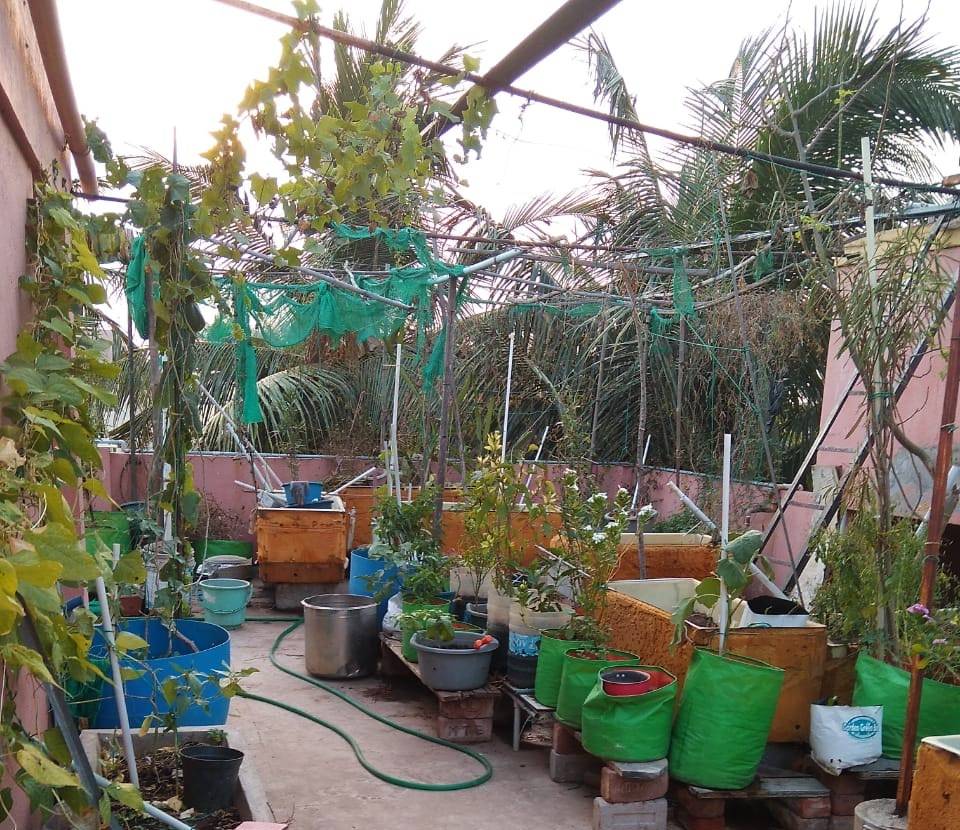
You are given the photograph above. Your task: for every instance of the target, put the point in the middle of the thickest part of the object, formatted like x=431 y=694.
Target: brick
x=844 y=805
x=467 y=707
x=699 y=807
x=810 y=807
x=843 y=784
x=570 y=769
x=565 y=740
x=642 y=815
x=464 y=730
x=841 y=822
x=791 y=821
x=690 y=822
x=618 y=790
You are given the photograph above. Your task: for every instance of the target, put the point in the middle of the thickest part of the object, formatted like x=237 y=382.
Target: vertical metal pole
x=506 y=402
x=443 y=439
x=394 y=452
x=931 y=552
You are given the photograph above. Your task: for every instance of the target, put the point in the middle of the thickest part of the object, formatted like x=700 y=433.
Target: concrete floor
x=312 y=779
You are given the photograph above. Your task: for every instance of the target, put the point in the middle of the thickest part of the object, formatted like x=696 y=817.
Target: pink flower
x=919 y=609
x=940 y=642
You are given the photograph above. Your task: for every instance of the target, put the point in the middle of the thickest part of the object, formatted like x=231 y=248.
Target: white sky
x=144 y=66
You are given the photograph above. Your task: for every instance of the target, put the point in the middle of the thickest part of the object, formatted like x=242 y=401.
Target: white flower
x=647 y=512
x=598 y=498
x=599 y=537
x=623 y=490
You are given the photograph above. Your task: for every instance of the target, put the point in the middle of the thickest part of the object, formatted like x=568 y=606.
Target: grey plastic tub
x=340 y=635
x=456 y=666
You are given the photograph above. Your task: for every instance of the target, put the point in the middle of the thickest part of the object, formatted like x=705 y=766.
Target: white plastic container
x=526 y=625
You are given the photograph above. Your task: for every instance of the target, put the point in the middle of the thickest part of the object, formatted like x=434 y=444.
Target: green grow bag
x=550 y=665
x=110 y=527
x=632 y=728
x=203 y=548
x=578 y=678
x=721 y=729
x=880 y=684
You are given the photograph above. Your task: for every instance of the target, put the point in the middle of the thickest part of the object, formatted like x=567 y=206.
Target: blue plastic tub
x=143 y=693
x=303 y=493
x=362 y=570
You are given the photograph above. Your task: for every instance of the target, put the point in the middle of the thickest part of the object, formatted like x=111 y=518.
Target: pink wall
x=919 y=407
x=30 y=132
x=214 y=473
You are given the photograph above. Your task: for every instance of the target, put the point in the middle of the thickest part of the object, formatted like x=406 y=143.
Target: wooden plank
x=444 y=697
x=798 y=786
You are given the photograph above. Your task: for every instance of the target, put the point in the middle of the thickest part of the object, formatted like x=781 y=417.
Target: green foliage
x=435 y=625
x=47 y=446
x=587 y=545
x=403 y=539
x=733 y=568
x=494 y=491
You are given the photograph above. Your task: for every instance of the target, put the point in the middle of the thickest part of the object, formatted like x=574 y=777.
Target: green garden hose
x=357 y=751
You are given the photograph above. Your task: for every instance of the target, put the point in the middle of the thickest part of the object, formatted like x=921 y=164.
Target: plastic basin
x=455 y=666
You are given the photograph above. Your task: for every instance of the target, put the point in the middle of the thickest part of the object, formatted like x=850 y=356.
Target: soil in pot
x=160 y=776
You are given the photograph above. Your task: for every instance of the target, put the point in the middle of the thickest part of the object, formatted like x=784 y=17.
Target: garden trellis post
x=506 y=400
x=446 y=397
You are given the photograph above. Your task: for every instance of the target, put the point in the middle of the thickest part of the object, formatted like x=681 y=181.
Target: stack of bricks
x=698 y=813
x=846 y=792
x=632 y=796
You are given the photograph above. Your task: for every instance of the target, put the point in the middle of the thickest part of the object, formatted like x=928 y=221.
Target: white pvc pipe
x=393 y=428
x=724 y=538
x=150 y=810
x=354 y=480
x=119 y=695
x=636 y=486
x=758 y=574
x=506 y=401
x=266 y=474
x=513 y=253
x=543 y=439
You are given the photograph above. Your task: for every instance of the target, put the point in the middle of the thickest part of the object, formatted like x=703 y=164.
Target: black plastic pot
x=521 y=670
x=476 y=614
x=210 y=776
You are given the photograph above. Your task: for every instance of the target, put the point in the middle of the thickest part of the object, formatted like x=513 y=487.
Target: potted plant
x=848 y=602
x=457 y=664
x=404 y=544
x=586 y=547
x=438 y=626
x=491 y=545
x=538 y=605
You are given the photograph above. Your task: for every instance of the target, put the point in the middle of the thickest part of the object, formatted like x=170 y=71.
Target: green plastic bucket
x=203 y=548
x=580 y=675
x=721 y=729
x=630 y=728
x=225 y=601
x=550 y=665
x=110 y=527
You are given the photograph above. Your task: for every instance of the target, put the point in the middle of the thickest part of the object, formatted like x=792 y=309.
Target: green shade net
x=135 y=286
x=284 y=315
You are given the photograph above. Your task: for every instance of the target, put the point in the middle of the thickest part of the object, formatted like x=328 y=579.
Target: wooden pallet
x=462 y=717
x=796 y=800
